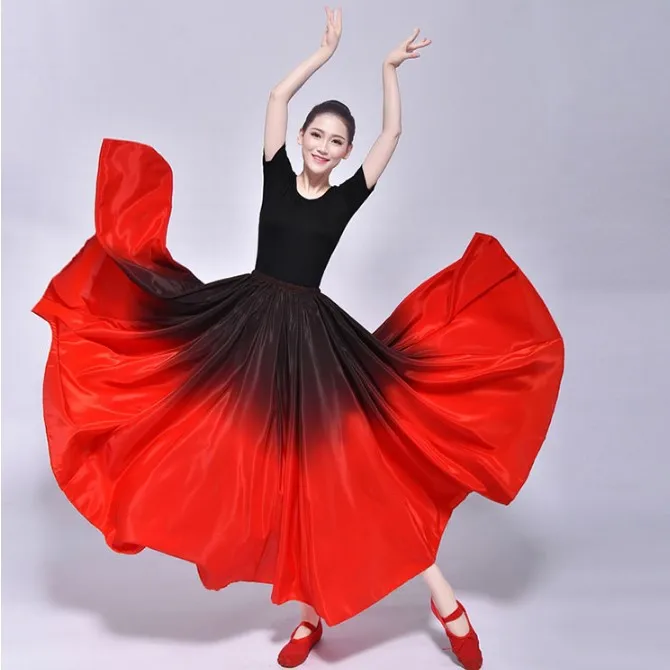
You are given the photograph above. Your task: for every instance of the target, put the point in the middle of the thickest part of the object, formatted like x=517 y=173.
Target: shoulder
x=272 y=154
x=355 y=190
x=277 y=168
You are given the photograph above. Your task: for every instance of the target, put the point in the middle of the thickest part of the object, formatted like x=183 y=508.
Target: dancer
x=250 y=425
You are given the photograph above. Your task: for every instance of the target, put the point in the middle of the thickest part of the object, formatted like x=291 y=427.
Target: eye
x=314 y=134
x=339 y=142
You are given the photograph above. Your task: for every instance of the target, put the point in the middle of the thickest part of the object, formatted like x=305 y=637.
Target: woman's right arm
x=276 y=115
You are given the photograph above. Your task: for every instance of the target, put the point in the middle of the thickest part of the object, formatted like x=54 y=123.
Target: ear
x=301 y=134
x=349 y=150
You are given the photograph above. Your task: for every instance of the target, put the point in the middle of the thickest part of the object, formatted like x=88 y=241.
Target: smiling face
x=325 y=138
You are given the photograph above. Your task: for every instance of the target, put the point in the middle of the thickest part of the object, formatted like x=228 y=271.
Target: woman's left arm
x=381 y=151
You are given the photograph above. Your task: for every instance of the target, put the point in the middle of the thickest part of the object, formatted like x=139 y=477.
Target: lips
x=319 y=159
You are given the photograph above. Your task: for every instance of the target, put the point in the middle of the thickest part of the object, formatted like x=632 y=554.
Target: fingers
x=334 y=19
x=410 y=48
x=334 y=15
x=408 y=43
x=415 y=34
x=420 y=45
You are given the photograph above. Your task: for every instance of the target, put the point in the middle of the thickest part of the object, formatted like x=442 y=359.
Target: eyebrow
x=322 y=131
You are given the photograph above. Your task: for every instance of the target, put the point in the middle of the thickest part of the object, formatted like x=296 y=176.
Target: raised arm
x=276 y=115
x=381 y=151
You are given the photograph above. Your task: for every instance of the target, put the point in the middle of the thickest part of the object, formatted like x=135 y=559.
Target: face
x=325 y=138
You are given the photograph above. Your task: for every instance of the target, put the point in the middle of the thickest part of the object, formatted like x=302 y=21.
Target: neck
x=312 y=185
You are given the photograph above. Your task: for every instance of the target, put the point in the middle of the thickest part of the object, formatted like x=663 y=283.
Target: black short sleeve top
x=298 y=235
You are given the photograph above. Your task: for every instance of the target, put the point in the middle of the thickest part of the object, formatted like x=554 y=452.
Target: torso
x=297 y=234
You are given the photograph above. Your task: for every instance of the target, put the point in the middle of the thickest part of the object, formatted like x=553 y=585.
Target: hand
x=331 y=37
x=406 y=50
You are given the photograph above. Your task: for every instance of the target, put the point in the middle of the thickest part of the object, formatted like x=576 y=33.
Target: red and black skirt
x=255 y=429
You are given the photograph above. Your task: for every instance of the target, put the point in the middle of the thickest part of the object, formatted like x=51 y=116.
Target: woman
x=250 y=425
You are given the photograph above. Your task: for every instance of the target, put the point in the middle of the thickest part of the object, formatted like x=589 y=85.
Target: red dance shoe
x=465 y=647
x=295 y=652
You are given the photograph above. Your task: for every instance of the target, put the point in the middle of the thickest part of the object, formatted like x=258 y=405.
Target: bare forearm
x=290 y=85
x=392 y=121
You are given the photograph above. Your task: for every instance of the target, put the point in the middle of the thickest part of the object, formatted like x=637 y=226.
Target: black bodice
x=297 y=235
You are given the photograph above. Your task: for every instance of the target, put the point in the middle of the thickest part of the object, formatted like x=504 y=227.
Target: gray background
x=542 y=122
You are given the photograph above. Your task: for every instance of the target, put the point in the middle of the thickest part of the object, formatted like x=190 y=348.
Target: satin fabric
x=254 y=428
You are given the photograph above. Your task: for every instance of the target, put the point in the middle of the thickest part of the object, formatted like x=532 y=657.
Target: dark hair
x=338 y=109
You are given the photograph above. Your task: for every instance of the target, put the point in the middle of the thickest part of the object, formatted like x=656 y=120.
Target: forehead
x=329 y=123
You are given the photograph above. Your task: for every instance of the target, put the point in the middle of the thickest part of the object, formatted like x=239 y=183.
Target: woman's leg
x=309 y=614
x=444 y=598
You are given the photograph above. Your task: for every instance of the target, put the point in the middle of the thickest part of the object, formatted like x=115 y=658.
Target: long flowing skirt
x=255 y=429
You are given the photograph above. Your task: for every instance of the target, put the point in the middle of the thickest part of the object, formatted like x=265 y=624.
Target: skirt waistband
x=284 y=284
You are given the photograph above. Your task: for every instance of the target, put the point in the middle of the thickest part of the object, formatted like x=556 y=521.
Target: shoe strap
x=459 y=611
x=307 y=624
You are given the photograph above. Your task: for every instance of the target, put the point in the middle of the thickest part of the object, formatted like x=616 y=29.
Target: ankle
x=309 y=614
x=459 y=627
x=445 y=603
x=455 y=623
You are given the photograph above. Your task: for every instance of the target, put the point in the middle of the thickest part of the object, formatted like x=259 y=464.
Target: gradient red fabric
x=254 y=428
